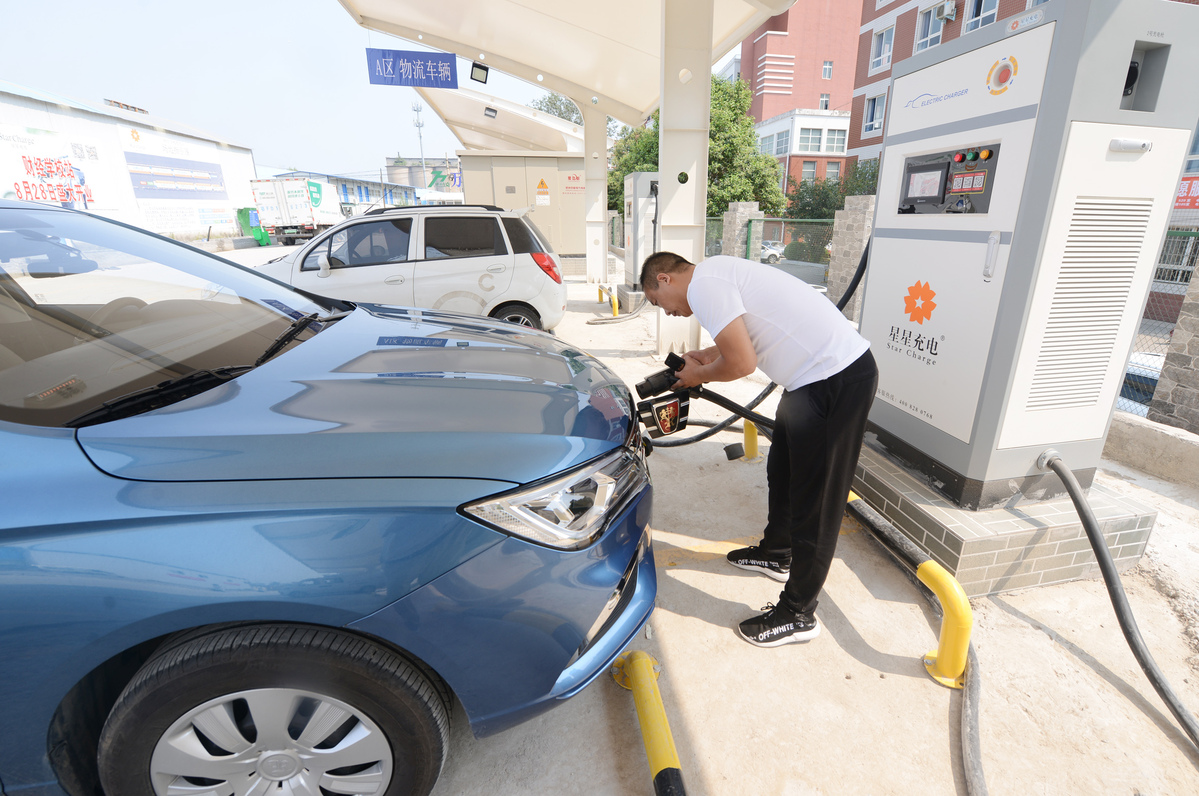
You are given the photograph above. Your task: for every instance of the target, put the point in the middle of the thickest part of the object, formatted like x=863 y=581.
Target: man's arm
x=703 y=356
x=736 y=358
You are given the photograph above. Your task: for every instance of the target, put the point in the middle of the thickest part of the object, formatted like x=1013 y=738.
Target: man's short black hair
x=661 y=263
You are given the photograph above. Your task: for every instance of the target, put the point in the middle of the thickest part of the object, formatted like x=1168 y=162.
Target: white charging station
x=1026 y=180
x=640 y=231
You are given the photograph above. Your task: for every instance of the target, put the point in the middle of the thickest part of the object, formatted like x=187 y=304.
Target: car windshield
x=91 y=310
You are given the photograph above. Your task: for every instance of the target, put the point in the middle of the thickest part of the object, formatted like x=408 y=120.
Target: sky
x=285 y=78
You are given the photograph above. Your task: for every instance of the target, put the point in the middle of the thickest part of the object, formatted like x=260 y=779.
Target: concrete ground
x=1065 y=707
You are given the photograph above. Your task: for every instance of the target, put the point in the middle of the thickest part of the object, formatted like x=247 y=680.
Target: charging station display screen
x=956 y=182
x=925 y=184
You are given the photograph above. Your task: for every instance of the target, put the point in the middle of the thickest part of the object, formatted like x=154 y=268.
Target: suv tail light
x=547 y=264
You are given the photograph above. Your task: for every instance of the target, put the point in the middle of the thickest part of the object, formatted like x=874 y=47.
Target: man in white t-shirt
x=761 y=317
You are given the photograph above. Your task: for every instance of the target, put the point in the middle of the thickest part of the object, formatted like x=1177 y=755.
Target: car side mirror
x=325 y=269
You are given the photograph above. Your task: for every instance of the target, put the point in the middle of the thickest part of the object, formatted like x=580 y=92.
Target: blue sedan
x=258 y=540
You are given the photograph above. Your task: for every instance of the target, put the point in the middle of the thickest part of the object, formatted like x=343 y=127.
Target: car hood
x=387 y=392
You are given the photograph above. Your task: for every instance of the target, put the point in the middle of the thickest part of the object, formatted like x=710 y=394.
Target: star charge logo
x=1002 y=75
x=918 y=303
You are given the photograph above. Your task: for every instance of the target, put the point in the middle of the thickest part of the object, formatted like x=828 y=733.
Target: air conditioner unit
x=947 y=10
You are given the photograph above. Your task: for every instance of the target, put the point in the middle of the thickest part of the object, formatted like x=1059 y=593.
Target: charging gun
x=667 y=414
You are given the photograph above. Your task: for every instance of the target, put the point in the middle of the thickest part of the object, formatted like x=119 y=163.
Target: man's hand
x=731 y=358
x=703 y=356
x=690 y=375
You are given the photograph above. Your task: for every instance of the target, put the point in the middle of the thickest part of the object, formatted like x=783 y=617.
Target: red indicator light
x=958 y=158
x=1005 y=74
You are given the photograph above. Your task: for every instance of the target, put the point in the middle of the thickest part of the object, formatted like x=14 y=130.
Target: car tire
x=271 y=704
x=518 y=314
x=772 y=259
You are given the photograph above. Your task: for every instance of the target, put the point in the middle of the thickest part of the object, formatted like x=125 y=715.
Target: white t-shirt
x=799 y=335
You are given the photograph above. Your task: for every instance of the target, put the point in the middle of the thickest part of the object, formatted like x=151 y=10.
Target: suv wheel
x=258 y=708
x=518 y=314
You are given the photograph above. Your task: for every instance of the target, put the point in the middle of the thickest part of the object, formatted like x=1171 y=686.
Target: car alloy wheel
x=275 y=708
x=522 y=316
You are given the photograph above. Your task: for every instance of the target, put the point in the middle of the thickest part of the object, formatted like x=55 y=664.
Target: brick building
x=893 y=30
x=800 y=68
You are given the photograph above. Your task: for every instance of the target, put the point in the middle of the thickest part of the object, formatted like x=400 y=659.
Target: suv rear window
x=523 y=239
x=463 y=236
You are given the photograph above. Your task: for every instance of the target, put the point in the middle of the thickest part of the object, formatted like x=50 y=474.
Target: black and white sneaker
x=779 y=625
x=755 y=559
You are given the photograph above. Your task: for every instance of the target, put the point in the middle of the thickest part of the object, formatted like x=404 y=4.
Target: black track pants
x=814 y=451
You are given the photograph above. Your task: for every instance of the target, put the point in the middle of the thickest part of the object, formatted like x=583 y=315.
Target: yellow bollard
x=615 y=305
x=638 y=671
x=601 y=295
x=751 y=441
x=947 y=663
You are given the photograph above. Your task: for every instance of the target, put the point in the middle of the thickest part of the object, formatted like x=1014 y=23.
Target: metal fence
x=1175 y=266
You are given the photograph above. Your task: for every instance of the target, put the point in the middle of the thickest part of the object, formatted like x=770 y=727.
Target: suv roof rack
x=380 y=210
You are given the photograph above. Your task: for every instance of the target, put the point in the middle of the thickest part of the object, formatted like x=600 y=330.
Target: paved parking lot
x=1065 y=707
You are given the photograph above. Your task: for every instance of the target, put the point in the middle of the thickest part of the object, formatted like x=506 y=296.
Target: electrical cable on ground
x=628 y=316
x=905 y=551
x=1052 y=460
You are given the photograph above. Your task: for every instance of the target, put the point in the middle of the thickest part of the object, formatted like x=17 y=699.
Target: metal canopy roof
x=481 y=121
x=606 y=53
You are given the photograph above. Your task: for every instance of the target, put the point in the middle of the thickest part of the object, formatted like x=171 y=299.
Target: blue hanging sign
x=412 y=68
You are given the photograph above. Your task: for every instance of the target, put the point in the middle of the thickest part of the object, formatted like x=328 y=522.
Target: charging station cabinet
x=640 y=232
x=1027 y=175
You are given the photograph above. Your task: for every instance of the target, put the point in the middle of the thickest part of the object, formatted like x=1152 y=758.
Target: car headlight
x=572 y=510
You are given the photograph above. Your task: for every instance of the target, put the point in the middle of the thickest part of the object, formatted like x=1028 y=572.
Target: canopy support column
x=683 y=146
x=595 y=174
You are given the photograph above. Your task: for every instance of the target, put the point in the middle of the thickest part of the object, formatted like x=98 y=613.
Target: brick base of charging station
x=1001 y=549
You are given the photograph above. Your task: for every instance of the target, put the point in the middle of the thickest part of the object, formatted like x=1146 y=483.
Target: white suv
x=475 y=259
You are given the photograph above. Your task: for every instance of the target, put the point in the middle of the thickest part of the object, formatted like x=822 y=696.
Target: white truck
x=295 y=208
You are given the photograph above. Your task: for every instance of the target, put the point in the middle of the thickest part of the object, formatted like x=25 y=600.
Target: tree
x=558 y=105
x=737 y=171
x=823 y=198
x=636 y=149
x=565 y=108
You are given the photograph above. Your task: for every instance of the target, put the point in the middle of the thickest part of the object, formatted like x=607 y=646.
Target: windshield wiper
x=161 y=394
x=297 y=326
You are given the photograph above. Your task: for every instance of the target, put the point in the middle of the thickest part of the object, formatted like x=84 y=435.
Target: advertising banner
x=1188 y=194
x=50 y=167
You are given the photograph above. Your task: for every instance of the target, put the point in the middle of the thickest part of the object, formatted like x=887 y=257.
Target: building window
x=876 y=109
x=824 y=102
x=980 y=13
x=766 y=145
x=880 y=53
x=782 y=141
x=928 y=29
x=809 y=170
x=809 y=139
x=835 y=140
x=1034 y=3
x=828 y=70
x=832 y=170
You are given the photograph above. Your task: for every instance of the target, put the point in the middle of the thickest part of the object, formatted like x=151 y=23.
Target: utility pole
x=417 y=123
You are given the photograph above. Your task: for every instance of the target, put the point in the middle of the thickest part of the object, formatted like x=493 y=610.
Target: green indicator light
x=971 y=156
